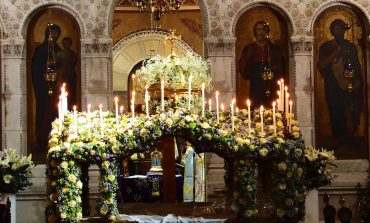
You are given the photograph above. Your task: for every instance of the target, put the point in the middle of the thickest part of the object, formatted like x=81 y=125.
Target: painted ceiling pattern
x=220 y=15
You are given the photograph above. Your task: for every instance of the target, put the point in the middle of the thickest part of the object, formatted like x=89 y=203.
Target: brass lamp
x=266 y=72
x=50 y=74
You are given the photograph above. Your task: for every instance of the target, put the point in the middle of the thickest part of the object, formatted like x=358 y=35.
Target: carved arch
x=274 y=6
x=27 y=19
x=137 y=47
x=326 y=5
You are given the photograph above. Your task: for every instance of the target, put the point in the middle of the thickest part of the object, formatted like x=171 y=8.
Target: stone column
x=96 y=74
x=14 y=95
x=302 y=83
x=221 y=55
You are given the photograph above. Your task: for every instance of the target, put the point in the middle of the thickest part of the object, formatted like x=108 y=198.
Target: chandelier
x=50 y=74
x=157 y=7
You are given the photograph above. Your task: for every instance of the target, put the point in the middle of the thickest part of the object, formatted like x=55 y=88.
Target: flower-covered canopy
x=104 y=139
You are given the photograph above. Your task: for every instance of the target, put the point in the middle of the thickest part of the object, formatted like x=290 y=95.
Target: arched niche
x=280 y=30
x=337 y=123
x=69 y=71
x=132 y=50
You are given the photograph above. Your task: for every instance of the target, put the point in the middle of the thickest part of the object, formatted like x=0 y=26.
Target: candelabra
x=157 y=7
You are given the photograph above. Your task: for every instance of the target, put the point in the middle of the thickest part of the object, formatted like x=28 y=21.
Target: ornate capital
x=97 y=47
x=302 y=44
x=12 y=48
x=220 y=46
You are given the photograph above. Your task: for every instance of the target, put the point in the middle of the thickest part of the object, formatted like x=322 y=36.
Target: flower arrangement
x=319 y=165
x=174 y=72
x=13 y=171
x=103 y=142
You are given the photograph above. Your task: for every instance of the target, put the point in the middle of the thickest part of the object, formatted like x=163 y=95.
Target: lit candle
x=261 y=114
x=290 y=115
x=116 y=104
x=249 y=117
x=274 y=117
x=133 y=104
x=147 y=101
x=210 y=105
x=222 y=107
x=282 y=95
x=217 y=110
x=133 y=82
x=101 y=119
x=60 y=117
x=189 y=92
x=121 y=110
x=88 y=120
x=237 y=110
x=75 y=119
x=286 y=104
x=203 y=103
x=232 y=113
x=162 y=94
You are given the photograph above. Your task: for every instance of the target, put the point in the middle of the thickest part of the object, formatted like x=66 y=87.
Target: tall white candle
x=274 y=117
x=209 y=105
x=101 y=120
x=249 y=117
x=290 y=115
x=147 y=101
x=75 y=119
x=88 y=120
x=203 y=102
x=286 y=104
x=189 y=92
x=116 y=106
x=217 y=109
x=232 y=113
x=162 y=94
x=261 y=114
x=133 y=104
x=60 y=116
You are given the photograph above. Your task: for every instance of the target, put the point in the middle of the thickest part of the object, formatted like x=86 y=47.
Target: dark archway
x=248 y=60
x=42 y=109
x=341 y=113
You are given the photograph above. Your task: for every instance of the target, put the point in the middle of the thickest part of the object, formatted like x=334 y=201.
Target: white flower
x=7 y=178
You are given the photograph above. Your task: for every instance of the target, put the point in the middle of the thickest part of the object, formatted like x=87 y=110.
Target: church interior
x=184 y=111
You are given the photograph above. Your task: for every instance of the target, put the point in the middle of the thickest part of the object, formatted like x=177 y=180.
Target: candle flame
x=74 y=107
x=273 y=104
x=216 y=93
x=290 y=102
x=209 y=101
x=248 y=103
x=116 y=99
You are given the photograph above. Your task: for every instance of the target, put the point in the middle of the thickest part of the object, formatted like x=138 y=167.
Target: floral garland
x=174 y=72
x=104 y=144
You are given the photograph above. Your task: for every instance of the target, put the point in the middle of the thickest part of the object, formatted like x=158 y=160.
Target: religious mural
x=261 y=49
x=64 y=50
x=340 y=78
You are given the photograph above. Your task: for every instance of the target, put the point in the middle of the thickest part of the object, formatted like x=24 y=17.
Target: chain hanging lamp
x=50 y=74
x=266 y=71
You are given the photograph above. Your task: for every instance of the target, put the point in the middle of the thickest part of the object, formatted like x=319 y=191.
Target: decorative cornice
x=96 y=48
x=220 y=47
x=12 y=48
x=302 y=44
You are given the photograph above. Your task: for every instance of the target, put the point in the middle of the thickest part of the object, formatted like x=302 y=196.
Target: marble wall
x=219 y=20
